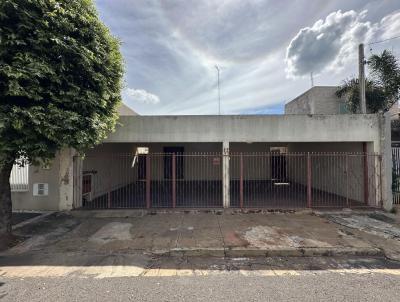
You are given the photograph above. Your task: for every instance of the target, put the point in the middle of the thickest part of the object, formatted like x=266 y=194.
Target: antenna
x=219 y=94
x=361 y=77
x=312 y=79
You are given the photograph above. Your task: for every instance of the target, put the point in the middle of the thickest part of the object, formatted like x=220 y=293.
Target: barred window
x=19 y=179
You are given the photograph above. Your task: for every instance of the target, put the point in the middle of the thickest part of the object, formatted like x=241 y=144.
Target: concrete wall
x=26 y=200
x=317 y=100
x=394 y=111
x=260 y=128
x=386 y=168
x=58 y=176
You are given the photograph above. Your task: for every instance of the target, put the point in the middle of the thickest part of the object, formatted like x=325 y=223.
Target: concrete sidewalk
x=203 y=234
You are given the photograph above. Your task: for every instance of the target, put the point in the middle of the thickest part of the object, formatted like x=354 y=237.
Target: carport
x=234 y=161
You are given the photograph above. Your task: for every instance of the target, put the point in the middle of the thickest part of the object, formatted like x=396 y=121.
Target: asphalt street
x=226 y=287
x=221 y=280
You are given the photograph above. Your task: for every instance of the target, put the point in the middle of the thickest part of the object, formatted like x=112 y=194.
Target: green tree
x=382 y=88
x=60 y=83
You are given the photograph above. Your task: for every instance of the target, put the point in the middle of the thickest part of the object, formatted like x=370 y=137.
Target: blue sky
x=266 y=50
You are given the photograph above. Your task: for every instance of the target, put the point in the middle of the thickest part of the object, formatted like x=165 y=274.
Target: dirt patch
x=267 y=237
x=20 y=217
x=41 y=233
x=112 y=231
x=382 y=217
x=368 y=224
x=38 y=241
x=234 y=239
x=9 y=241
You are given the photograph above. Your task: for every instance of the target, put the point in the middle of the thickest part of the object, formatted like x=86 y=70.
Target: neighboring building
x=294 y=160
x=317 y=100
x=394 y=114
x=124 y=110
x=41 y=188
x=394 y=111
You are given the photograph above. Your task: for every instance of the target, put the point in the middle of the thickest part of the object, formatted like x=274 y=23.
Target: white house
x=259 y=161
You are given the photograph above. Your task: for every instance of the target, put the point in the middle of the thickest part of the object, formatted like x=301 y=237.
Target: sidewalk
x=207 y=234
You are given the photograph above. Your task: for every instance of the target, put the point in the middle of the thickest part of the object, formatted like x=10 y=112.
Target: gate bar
x=109 y=185
x=241 y=180
x=173 y=180
x=148 y=171
x=309 y=197
x=347 y=180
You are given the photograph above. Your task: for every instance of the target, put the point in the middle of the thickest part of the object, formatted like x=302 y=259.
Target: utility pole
x=312 y=79
x=219 y=95
x=361 y=78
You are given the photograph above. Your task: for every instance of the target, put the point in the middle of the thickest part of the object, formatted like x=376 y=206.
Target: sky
x=266 y=50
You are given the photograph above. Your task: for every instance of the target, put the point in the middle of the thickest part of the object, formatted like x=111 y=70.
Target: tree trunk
x=5 y=200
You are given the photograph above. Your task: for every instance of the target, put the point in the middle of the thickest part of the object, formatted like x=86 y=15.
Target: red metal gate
x=164 y=180
x=317 y=180
x=256 y=180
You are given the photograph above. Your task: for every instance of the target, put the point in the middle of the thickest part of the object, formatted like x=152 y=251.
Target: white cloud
x=141 y=96
x=170 y=48
x=329 y=43
x=390 y=25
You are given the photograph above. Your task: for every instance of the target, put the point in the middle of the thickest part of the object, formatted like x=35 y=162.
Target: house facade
x=231 y=161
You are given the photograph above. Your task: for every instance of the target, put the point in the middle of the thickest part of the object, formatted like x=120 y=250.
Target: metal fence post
x=225 y=174
x=309 y=181
x=109 y=184
x=173 y=180
x=380 y=181
x=366 y=184
x=241 y=180
x=148 y=182
x=347 y=180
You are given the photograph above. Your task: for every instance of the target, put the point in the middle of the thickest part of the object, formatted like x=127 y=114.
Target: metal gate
x=255 y=180
x=396 y=175
x=301 y=180
x=162 y=180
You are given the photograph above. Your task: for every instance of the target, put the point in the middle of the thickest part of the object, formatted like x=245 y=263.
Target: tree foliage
x=60 y=78
x=382 y=88
x=60 y=83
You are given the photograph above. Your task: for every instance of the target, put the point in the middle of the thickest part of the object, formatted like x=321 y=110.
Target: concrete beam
x=257 y=128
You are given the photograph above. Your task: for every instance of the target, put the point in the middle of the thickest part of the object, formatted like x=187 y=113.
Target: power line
x=381 y=41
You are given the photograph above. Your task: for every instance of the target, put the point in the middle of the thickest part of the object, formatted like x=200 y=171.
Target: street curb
x=32 y=220
x=132 y=213
x=283 y=252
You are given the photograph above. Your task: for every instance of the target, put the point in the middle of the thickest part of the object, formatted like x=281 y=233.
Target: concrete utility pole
x=219 y=95
x=361 y=78
x=312 y=79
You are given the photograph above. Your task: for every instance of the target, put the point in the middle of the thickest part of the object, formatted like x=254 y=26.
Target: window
x=140 y=159
x=19 y=178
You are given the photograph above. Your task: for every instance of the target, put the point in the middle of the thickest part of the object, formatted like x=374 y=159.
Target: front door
x=278 y=167
x=168 y=162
